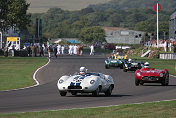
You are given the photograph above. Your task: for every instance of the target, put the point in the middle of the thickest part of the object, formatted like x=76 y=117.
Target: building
x=71 y=40
x=123 y=35
x=172 y=26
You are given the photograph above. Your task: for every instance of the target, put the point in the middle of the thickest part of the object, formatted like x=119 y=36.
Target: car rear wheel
x=63 y=93
x=137 y=82
x=165 y=81
x=109 y=91
x=96 y=92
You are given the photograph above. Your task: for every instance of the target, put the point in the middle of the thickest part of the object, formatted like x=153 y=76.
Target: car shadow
x=101 y=95
x=159 y=85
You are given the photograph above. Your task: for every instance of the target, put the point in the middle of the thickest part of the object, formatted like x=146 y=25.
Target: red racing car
x=150 y=75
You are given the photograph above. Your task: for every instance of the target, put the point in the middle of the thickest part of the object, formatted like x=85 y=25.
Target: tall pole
x=157 y=27
x=1 y=40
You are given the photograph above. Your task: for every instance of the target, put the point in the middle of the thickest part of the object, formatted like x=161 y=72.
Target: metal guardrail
x=167 y=56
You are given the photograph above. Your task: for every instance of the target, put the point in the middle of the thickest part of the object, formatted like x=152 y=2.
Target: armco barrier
x=167 y=56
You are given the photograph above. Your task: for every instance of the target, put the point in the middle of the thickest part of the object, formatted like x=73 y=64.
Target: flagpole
x=157 y=27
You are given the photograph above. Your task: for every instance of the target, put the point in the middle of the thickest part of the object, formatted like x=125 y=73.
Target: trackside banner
x=11 y=38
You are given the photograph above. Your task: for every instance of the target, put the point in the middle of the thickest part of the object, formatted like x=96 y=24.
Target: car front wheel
x=63 y=93
x=137 y=82
x=109 y=91
x=165 y=81
x=96 y=92
x=107 y=66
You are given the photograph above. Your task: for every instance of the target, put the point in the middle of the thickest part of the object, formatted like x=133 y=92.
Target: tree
x=115 y=19
x=92 y=34
x=145 y=26
x=14 y=14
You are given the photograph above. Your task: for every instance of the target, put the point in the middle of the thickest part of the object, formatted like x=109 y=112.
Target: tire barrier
x=167 y=56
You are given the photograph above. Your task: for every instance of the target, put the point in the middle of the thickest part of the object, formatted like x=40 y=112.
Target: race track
x=46 y=96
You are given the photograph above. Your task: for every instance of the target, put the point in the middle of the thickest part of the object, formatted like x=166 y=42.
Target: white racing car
x=94 y=83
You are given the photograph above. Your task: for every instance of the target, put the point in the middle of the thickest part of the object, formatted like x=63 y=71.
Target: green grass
x=146 y=110
x=17 y=72
x=40 y=6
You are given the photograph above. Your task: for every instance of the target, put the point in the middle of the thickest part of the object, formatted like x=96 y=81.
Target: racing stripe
x=78 y=84
x=72 y=84
x=76 y=78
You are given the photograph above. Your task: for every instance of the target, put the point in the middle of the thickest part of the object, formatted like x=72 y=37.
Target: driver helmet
x=129 y=60
x=146 y=65
x=83 y=70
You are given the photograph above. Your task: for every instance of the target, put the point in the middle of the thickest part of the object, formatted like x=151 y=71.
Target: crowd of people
x=169 y=45
x=38 y=49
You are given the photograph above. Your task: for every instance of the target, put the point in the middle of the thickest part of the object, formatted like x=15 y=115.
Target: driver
x=146 y=66
x=83 y=70
x=130 y=60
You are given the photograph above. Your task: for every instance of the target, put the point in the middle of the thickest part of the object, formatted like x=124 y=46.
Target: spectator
x=35 y=50
x=41 y=51
x=6 y=51
x=91 y=50
x=62 y=49
x=32 y=50
x=49 y=51
x=13 y=51
x=28 y=50
x=175 y=48
x=55 y=51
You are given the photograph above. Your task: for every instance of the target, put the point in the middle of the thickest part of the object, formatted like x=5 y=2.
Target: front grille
x=150 y=78
x=74 y=87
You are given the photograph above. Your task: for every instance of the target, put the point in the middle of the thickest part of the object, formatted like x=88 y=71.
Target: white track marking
x=34 y=78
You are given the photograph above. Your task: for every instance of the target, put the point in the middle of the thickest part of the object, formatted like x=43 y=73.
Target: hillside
x=39 y=6
x=128 y=4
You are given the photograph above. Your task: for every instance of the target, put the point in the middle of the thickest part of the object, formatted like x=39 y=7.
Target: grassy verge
x=16 y=72
x=146 y=110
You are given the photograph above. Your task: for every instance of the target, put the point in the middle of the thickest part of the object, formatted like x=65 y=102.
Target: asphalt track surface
x=46 y=96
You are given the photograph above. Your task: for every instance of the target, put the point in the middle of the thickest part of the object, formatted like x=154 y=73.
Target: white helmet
x=83 y=70
x=146 y=65
x=130 y=60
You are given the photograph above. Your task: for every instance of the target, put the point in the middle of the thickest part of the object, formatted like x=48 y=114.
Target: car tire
x=137 y=82
x=141 y=83
x=165 y=81
x=107 y=67
x=74 y=93
x=121 y=67
x=109 y=91
x=96 y=92
x=63 y=93
x=124 y=70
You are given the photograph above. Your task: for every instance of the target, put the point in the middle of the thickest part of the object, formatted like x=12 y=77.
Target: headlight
x=161 y=74
x=61 y=81
x=92 y=81
x=126 y=65
x=138 y=74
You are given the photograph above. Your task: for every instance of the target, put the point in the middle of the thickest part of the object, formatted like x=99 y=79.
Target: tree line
x=68 y=24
